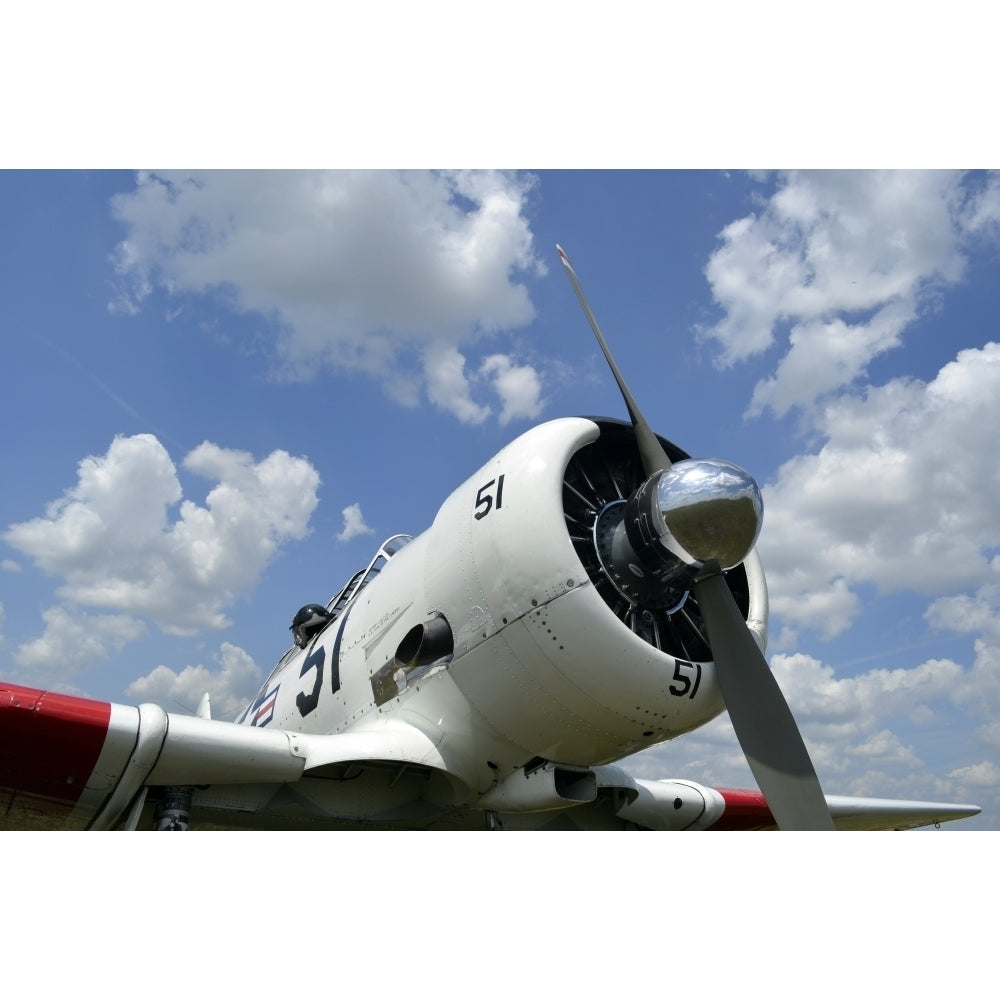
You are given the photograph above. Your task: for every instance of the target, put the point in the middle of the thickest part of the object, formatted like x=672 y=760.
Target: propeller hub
x=705 y=512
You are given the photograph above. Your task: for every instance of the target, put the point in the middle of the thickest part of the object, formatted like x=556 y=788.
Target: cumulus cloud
x=383 y=272
x=970 y=612
x=898 y=496
x=449 y=388
x=981 y=696
x=73 y=641
x=354 y=523
x=518 y=387
x=230 y=685
x=843 y=261
x=858 y=708
x=982 y=211
x=124 y=539
x=984 y=776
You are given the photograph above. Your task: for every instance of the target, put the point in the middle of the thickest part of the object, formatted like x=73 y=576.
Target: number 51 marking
x=684 y=679
x=484 y=498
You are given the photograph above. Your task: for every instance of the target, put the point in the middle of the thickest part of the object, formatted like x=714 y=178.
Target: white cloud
x=827 y=354
x=825 y=609
x=898 y=496
x=9 y=566
x=985 y=775
x=981 y=696
x=968 y=613
x=112 y=541
x=120 y=500
x=134 y=284
x=518 y=386
x=73 y=641
x=354 y=523
x=229 y=687
x=858 y=707
x=845 y=260
x=982 y=212
x=449 y=388
x=362 y=270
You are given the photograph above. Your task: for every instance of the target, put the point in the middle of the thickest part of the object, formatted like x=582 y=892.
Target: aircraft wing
x=622 y=800
x=73 y=762
x=746 y=810
x=76 y=763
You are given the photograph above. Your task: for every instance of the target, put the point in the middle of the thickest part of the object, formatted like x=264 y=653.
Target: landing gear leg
x=175 y=808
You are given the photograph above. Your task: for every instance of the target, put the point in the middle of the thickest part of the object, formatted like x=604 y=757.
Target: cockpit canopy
x=363 y=577
x=336 y=605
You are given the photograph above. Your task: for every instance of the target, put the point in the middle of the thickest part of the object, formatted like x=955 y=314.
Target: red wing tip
x=745 y=809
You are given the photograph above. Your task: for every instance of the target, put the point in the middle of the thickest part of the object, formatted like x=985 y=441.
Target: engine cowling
x=547 y=648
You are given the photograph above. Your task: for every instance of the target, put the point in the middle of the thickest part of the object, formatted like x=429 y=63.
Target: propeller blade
x=654 y=458
x=760 y=715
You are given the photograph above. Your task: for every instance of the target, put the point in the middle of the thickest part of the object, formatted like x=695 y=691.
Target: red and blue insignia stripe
x=264 y=712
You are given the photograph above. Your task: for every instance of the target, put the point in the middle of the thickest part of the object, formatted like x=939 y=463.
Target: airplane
x=591 y=591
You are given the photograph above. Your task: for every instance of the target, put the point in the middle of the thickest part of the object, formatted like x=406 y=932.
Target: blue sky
x=220 y=391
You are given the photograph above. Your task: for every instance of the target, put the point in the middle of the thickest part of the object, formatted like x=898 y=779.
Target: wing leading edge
x=746 y=809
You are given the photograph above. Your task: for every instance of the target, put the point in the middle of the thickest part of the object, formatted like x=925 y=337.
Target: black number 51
x=484 y=498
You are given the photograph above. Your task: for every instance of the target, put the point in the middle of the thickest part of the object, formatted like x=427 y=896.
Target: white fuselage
x=540 y=667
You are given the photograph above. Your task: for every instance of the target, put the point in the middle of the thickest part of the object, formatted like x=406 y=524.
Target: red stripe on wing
x=49 y=744
x=745 y=810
